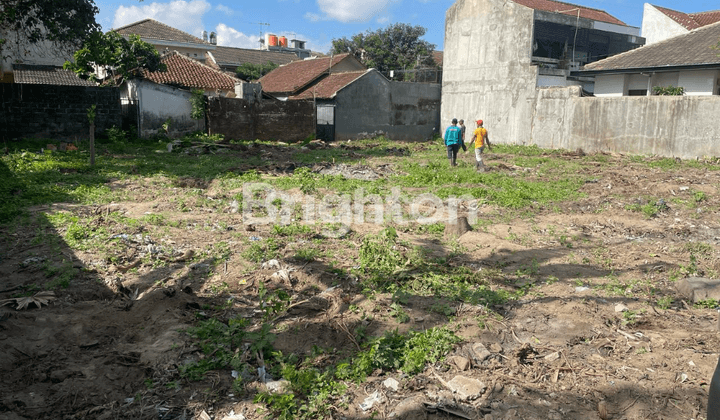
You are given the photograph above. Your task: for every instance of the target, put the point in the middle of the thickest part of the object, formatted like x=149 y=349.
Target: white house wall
x=698 y=82
x=657 y=26
x=487 y=70
x=609 y=85
x=157 y=103
x=665 y=79
x=17 y=50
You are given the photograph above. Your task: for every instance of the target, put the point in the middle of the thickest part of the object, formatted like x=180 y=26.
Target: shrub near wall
x=57 y=112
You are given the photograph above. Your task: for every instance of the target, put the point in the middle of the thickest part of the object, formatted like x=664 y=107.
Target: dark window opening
x=637 y=92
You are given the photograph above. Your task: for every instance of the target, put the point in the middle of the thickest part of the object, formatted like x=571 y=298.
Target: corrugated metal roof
x=47 y=75
x=571 y=10
x=694 y=48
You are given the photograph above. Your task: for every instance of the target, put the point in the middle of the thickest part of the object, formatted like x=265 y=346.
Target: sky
x=318 y=22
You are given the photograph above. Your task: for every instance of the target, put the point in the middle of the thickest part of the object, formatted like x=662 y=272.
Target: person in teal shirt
x=452 y=141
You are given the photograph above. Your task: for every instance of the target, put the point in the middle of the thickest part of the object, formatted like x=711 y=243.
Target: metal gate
x=325 y=126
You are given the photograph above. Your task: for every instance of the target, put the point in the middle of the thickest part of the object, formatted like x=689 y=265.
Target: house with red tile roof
x=661 y=23
x=292 y=78
x=187 y=73
x=158 y=97
x=353 y=102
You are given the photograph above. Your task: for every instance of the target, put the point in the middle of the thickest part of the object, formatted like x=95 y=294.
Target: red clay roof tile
x=292 y=77
x=328 y=87
x=571 y=10
x=186 y=72
x=691 y=21
x=706 y=18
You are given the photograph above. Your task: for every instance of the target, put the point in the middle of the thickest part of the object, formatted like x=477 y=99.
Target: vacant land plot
x=256 y=280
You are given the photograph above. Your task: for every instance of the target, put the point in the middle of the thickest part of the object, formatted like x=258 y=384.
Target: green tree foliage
x=397 y=47
x=249 y=71
x=115 y=55
x=53 y=20
x=668 y=90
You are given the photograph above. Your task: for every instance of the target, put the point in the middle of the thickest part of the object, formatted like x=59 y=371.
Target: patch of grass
x=664 y=302
x=706 y=304
x=294 y=229
x=306 y=254
x=262 y=250
x=409 y=353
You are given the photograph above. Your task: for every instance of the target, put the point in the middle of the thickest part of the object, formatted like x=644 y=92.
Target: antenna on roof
x=261 y=29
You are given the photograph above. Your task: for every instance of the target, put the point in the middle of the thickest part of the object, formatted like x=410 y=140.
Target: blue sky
x=240 y=23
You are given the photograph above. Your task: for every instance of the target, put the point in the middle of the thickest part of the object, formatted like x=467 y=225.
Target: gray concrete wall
x=240 y=119
x=674 y=126
x=487 y=72
x=401 y=110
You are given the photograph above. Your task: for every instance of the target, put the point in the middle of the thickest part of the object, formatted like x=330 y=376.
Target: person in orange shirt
x=480 y=140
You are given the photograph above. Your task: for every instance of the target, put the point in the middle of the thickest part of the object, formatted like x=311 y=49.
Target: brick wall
x=56 y=112
x=239 y=119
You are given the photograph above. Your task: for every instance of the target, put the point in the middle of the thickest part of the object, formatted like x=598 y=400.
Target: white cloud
x=222 y=8
x=313 y=17
x=183 y=15
x=230 y=37
x=351 y=10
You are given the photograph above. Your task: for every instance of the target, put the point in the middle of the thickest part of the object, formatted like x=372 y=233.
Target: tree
x=397 y=47
x=112 y=54
x=52 y=20
x=249 y=71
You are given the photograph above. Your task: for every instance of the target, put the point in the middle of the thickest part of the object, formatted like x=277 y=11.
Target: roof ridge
x=201 y=41
x=584 y=7
x=131 y=24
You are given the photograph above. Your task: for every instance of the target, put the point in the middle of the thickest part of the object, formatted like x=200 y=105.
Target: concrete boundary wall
x=674 y=126
x=267 y=119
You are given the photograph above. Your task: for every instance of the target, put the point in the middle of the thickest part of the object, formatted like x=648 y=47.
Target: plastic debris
x=370 y=401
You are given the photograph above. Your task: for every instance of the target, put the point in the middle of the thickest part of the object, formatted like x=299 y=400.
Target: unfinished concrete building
x=498 y=53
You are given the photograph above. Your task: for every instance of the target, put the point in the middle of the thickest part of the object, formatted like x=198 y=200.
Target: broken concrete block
x=466 y=388
x=699 y=288
x=462 y=363
x=621 y=308
x=479 y=352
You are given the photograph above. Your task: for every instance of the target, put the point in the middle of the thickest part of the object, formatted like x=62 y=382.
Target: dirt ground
x=111 y=344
